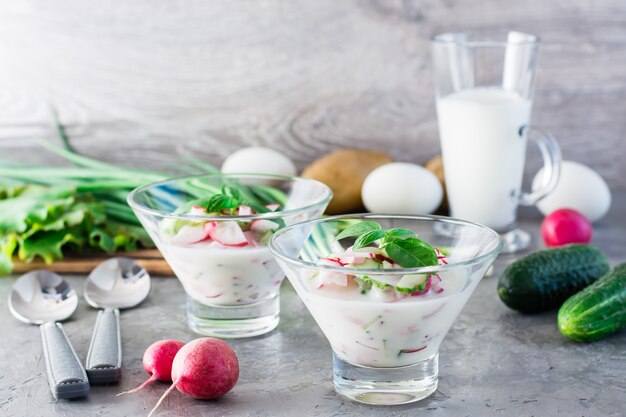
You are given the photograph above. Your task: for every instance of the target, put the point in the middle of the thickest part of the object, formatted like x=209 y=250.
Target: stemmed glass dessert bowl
x=385 y=322
x=213 y=231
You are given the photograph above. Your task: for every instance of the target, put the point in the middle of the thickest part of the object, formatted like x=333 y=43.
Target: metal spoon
x=43 y=297
x=116 y=283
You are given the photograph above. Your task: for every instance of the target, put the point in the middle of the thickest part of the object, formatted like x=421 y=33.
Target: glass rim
x=395 y=271
x=135 y=205
x=449 y=39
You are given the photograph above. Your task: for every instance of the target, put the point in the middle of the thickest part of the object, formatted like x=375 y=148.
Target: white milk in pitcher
x=483 y=153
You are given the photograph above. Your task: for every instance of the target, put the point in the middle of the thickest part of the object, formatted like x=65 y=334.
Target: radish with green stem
x=157 y=361
x=204 y=369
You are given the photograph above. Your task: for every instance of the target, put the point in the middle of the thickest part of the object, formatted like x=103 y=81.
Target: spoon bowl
x=117 y=283
x=43 y=298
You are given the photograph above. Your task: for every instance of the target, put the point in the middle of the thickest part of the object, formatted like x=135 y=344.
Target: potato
x=435 y=165
x=344 y=171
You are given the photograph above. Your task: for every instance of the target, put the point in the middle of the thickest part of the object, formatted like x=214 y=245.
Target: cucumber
x=544 y=280
x=597 y=311
x=409 y=284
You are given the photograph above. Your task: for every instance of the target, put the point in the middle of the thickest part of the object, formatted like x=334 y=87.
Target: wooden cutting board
x=150 y=259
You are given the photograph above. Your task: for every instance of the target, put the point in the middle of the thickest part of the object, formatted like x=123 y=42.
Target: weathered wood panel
x=138 y=82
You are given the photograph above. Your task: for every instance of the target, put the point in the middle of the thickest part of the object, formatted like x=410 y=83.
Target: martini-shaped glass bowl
x=385 y=349
x=231 y=279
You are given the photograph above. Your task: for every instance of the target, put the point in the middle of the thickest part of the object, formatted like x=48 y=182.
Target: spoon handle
x=66 y=375
x=104 y=359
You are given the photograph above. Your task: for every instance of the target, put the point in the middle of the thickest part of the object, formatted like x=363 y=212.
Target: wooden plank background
x=140 y=81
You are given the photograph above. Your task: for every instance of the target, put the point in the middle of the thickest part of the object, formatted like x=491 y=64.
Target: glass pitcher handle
x=551 y=154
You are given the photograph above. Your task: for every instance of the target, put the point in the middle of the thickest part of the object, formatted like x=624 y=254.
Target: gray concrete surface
x=494 y=361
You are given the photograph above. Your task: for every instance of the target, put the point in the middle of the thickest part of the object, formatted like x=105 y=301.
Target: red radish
x=262 y=225
x=427 y=286
x=337 y=278
x=441 y=258
x=318 y=282
x=354 y=257
x=157 y=361
x=331 y=262
x=191 y=234
x=330 y=277
x=354 y=260
x=197 y=211
x=252 y=238
x=565 y=226
x=228 y=233
x=273 y=207
x=219 y=294
x=435 y=281
x=244 y=211
x=206 y=229
x=204 y=369
x=413 y=350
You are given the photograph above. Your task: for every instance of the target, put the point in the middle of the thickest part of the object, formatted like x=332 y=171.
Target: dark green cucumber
x=544 y=280
x=597 y=311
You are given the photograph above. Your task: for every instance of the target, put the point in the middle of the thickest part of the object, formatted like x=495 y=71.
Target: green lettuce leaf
x=33 y=205
x=48 y=245
x=100 y=238
x=8 y=243
x=45 y=222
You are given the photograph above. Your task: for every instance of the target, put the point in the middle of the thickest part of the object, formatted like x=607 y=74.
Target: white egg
x=401 y=188
x=258 y=160
x=579 y=188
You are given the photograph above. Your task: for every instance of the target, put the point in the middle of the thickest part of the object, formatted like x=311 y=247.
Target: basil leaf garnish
x=411 y=253
x=358 y=229
x=368 y=237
